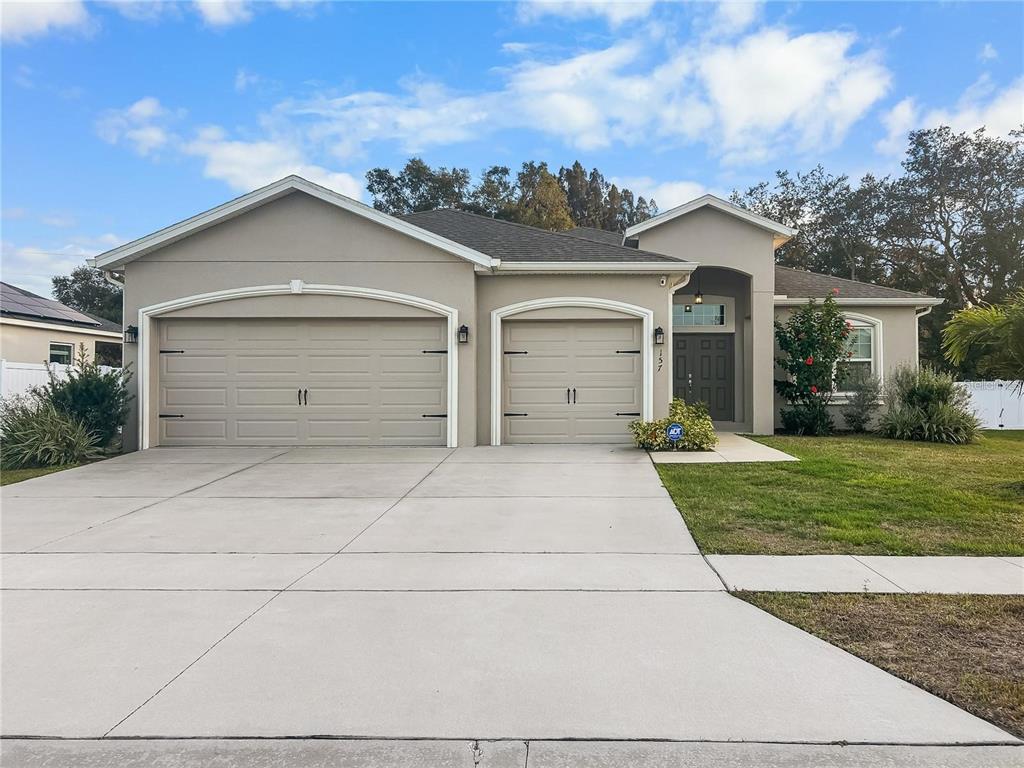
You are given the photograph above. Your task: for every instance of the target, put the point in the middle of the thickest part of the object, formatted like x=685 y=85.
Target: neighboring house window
x=863 y=346
x=108 y=353
x=698 y=314
x=60 y=353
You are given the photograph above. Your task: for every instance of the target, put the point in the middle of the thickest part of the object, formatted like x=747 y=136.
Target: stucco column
x=762 y=369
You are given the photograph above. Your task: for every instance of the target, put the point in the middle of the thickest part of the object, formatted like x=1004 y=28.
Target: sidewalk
x=731 y=448
x=861 y=573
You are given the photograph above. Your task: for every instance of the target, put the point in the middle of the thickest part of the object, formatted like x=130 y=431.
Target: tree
x=495 y=195
x=418 y=187
x=994 y=335
x=542 y=201
x=86 y=290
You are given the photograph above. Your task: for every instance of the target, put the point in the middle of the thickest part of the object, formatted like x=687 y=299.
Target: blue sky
x=121 y=118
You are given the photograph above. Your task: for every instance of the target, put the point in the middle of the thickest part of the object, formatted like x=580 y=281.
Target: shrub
x=810 y=417
x=698 y=431
x=812 y=351
x=862 y=402
x=98 y=400
x=925 y=404
x=33 y=433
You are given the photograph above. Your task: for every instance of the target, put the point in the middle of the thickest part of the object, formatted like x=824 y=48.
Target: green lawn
x=964 y=648
x=859 y=495
x=9 y=476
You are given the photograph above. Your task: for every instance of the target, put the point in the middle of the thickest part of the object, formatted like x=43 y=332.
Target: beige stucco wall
x=26 y=344
x=899 y=337
x=495 y=292
x=301 y=238
x=716 y=239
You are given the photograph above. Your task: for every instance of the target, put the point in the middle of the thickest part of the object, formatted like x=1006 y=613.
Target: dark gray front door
x=705 y=367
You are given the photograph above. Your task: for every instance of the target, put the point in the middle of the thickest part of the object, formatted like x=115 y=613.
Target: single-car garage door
x=570 y=381
x=302 y=382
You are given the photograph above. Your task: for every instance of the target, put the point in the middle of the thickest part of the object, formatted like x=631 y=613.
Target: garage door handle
x=627 y=413
x=574 y=395
x=434 y=416
x=515 y=414
x=305 y=397
x=566 y=394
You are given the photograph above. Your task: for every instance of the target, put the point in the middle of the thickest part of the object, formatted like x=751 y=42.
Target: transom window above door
x=698 y=315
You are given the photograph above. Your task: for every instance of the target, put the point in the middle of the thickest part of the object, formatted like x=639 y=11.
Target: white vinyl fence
x=999 y=404
x=19 y=378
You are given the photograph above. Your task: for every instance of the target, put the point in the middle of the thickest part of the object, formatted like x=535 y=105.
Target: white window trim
x=71 y=352
x=866 y=321
x=497 y=343
x=153 y=311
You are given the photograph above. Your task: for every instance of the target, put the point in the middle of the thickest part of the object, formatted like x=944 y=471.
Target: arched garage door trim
x=646 y=350
x=147 y=314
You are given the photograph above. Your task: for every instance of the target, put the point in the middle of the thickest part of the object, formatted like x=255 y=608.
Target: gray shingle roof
x=798 y=283
x=508 y=241
x=17 y=302
x=597 y=235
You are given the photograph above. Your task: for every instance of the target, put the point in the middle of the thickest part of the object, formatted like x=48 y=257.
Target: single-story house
x=294 y=315
x=37 y=330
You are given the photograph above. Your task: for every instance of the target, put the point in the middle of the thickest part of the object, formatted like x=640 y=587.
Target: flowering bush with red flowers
x=812 y=350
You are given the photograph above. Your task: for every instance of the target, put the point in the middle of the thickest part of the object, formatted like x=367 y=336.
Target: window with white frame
x=60 y=353
x=862 y=351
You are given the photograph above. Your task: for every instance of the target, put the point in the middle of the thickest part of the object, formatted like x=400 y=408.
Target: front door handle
x=305 y=397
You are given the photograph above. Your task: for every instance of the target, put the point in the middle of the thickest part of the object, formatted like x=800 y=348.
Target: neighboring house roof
x=519 y=243
x=799 y=285
x=123 y=254
x=781 y=231
x=17 y=303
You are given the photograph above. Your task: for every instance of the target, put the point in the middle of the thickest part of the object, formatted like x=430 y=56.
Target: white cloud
x=734 y=16
x=224 y=13
x=982 y=104
x=142 y=125
x=667 y=194
x=32 y=266
x=20 y=21
x=244 y=80
x=247 y=165
x=988 y=52
x=806 y=90
x=614 y=13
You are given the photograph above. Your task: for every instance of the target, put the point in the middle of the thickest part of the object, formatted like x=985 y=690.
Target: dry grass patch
x=968 y=649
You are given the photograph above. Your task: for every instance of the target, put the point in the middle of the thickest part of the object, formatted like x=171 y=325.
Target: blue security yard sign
x=674 y=431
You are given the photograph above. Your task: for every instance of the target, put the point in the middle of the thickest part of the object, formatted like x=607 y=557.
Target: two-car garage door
x=303 y=382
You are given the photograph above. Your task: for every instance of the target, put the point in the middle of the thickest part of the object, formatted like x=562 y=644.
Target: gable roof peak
x=781 y=231
x=118 y=257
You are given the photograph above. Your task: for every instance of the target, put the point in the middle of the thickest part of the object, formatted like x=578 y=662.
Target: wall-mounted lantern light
x=698 y=297
x=463 y=334
x=659 y=335
x=131 y=335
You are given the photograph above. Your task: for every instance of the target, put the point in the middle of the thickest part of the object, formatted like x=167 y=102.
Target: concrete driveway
x=523 y=592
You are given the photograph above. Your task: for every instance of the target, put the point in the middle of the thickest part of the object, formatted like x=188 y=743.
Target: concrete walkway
x=863 y=573
x=731 y=448
x=520 y=593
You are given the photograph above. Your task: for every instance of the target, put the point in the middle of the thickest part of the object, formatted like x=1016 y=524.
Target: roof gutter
x=596 y=267
x=909 y=301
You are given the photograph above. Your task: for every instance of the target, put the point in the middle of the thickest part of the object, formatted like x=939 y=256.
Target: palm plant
x=996 y=331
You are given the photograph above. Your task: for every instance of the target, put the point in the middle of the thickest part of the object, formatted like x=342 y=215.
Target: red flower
x=810 y=360
x=835 y=291
x=814 y=390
